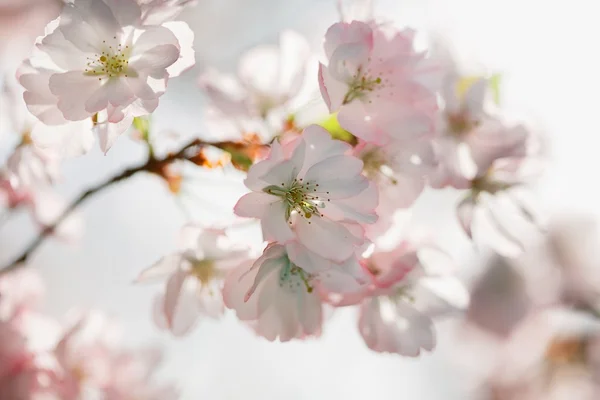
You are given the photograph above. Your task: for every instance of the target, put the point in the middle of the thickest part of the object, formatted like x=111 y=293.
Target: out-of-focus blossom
x=382 y=88
x=84 y=355
x=279 y=294
x=499 y=299
x=311 y=189
x=270 y=85
x=551 y=354
x=22 y=375
x=195 y=278
x=131 y=377
x=397 y=307
x=21 y=291
x=119 y=70
x=464 y=112
x=499 y=209
x=399 y=170
x=21 y=21
x=85 y=361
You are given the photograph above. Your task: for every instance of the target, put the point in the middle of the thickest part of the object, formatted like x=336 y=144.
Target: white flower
x=195 y=276
x=316 y=189
x=279 y=294
x=95 y=62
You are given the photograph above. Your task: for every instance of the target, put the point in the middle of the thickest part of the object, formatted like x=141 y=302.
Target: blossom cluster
x=324 y=182
x=43 y=359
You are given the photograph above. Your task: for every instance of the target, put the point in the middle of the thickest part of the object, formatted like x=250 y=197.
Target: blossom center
x=204 y=271
x=361 y=84
x=113 y=62
x=294 y=278
x=376 y=166
x=460 y=124
x=299 y=197
x=486 y=183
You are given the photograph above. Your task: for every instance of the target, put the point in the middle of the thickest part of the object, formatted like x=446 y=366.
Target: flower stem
x=152 y=165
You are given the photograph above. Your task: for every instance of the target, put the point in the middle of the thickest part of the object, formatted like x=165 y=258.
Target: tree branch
x=152 y=165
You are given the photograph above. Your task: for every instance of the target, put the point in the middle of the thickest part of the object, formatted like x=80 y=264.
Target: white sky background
x=548 y=54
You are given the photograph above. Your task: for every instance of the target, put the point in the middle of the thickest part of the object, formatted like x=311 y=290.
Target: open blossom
x=96 y=62
x=38 y=148
x=399 y=170
x=195 y=277
x=398 y=306
x=270 y=85
x=467 y=131
x=279 y=294
x=382 y=88
x=499 y=209
x=311 y=189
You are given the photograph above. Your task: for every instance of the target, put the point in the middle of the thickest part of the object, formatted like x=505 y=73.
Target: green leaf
x=142 y=125
x=495 y=81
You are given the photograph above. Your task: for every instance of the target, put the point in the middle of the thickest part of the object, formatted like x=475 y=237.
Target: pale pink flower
x=20 y=291
x=195 y=277
x=21 y=21
x=499 y=210
x=399 y=170
x=279 y=294
x=84 y=355
x=119 y=70
x=44 y=204
x=12 y=196
x=311 y=189
x=405 y=294
x=552 y=354
x=21 y=375
x=382 y=88
x=131 y=377
x=271 y=85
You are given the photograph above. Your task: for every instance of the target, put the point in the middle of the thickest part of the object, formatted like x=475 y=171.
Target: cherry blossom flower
x=279 y=294
x=195 y=277
x=131 y=377
x=21 y=291
x=397 y=308
x=499 y=209
x=468 y=129
x=381 y=87
x=271 y=85
x=119 y=70
x=552 y=354
x=21 y=21
x=21 y=374
x=400 y=171
x=84 y=355
x=315 y=192
x=92 y=364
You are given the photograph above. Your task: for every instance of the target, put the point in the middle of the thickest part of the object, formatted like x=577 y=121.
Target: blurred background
x=547 y=55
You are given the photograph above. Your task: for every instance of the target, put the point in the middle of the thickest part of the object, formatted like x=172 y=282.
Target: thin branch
x=152 y=165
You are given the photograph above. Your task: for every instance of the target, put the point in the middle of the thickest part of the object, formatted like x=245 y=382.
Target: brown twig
x=152 y=165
